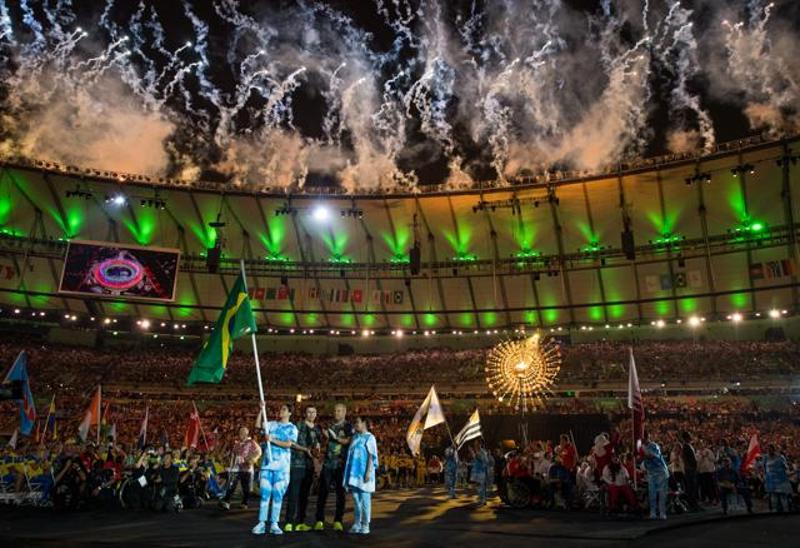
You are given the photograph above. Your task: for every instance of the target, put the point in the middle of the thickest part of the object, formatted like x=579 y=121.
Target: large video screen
x=105 y=269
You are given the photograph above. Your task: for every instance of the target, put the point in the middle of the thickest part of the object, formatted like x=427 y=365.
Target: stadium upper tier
x=708 y=235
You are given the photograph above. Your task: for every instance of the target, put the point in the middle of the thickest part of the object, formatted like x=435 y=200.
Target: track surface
x=417 y=517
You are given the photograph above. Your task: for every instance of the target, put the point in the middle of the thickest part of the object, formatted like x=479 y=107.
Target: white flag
x=431 y=409
x=470 y=431
x=12 y=443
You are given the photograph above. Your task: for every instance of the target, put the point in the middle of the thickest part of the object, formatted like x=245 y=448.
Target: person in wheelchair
x=559 y=481
x=618 y=484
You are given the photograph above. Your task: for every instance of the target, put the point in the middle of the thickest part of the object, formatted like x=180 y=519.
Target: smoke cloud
x=390 y=95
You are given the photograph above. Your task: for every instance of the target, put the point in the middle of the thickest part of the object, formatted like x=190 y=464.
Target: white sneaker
x=275 y=530
x=260 y=528
x=224 y=505
x=364 y=530
x=355 y=529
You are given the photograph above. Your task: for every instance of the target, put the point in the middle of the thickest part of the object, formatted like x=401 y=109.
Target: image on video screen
x=113 y=270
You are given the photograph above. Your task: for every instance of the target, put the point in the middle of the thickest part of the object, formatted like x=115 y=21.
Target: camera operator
x=192 y=485
x=100 y=485
x=166 y=485
x=70 y=478
x=140 y=491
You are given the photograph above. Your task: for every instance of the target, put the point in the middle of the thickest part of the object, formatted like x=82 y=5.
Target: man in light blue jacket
x=657 y=476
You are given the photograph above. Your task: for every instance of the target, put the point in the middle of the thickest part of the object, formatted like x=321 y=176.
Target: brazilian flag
x=236 y=320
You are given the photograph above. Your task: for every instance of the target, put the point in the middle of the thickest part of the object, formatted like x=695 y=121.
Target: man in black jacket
x=689 y=470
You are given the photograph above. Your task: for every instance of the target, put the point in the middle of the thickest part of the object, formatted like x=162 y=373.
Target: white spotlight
x=320 y=213
x=399 y=334
x=660 y=323
x=365 y=333
x=736 y=317
x=774 y=313
x=694 y=321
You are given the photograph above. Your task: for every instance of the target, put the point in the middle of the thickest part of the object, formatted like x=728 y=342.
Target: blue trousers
x=657 y=490
x=450 y=477
x=362 y=507
x=273 y=484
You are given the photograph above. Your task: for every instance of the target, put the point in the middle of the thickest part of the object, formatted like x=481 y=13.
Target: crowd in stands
x=582 y=364
x=76 y=473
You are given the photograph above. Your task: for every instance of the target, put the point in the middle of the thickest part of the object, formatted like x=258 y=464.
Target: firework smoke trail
x=6 y=30
x=762 y=74
x=430 y=95
x=504 y=76
x=675 y=49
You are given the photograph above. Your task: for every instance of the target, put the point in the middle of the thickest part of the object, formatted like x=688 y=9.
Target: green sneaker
x=337 y=526
x=302 y=527
x=319 y=526
x=288 y=527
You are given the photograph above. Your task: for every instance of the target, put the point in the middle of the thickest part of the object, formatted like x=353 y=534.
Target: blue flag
x=27 y=409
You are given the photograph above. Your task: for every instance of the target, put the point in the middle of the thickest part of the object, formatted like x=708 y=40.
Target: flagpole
x=200 y=424
x=633 y=411
x=258 y=367
x=47 y=420
x=99 y=411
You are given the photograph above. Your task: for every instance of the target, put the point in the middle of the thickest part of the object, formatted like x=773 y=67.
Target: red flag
x=193 y=429
x=753 y=451
x=635 y=403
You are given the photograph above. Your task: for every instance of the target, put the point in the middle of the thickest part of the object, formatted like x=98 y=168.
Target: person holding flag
x=451 y=470
x=27 y=408
x=657 y=476
x=275 y=468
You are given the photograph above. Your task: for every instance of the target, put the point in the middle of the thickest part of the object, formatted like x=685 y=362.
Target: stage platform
x=402 y=518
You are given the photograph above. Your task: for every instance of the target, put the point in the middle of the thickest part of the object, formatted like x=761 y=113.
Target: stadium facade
x=664 y=239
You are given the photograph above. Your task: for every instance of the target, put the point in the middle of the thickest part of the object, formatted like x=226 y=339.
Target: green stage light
x=668 y=239
x=339 y=259
x=276 y=258
x=592 y=247
x=527 y=254
x=465 y=257
x=400 y=258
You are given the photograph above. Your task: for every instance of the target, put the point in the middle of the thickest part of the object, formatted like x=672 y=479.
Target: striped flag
x=431 y=410
x=470 y=431
x=635 y=403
